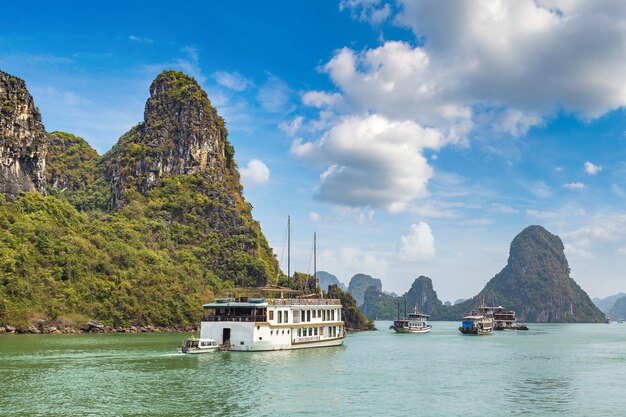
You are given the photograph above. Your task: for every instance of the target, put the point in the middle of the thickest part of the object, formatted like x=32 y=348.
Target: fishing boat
x=281 y=319
x=193 y=346
x=480 y=322
x=415 y=322
x=505 y=319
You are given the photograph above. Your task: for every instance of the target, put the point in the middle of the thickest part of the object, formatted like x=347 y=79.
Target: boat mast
x=288 y=251
x=315 y=260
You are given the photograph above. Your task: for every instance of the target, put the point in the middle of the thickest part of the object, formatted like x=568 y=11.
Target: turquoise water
x=553 y=369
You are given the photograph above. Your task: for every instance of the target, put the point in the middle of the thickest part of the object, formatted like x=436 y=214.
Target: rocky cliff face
x=360 y=283
x=423 y=296
x=22 y=140
x=535 y=283
x=181 y=134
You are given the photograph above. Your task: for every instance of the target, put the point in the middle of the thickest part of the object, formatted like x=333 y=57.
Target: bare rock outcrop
x=22 y=140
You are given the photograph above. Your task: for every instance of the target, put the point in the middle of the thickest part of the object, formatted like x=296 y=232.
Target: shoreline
x=94 y=327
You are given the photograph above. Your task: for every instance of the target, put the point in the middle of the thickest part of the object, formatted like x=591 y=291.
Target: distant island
x=535 y=283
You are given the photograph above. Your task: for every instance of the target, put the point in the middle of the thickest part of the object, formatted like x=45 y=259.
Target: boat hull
x=258 y=337
x=415 y=331
x=198 y=351
x=474 y=331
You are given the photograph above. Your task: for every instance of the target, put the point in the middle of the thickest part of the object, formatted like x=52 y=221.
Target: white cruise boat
x=257 y=324
x=416 y=322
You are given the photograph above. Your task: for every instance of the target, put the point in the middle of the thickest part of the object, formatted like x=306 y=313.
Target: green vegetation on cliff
x=535 y=283
x=179 y=232
x=354 y=319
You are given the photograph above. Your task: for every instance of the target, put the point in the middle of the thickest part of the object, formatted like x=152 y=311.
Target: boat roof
x=418 y=315
x=225 y=304
x=472 y=317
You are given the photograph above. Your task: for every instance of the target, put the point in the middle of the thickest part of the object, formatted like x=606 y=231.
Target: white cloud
x=372 y=161
x=140 y=39
x=540 y=189
x=347 y=261
x=255 y=173
x=541 y=214
x=574 y=185
x=367 y=10
x=508 y=64
x=314 y=217
x=418 y=245
x=592 y=169
x=574 y=253
x=504 y=209
x=232 y=80
x=320 y=99
x=275 y=95
x=293 y=127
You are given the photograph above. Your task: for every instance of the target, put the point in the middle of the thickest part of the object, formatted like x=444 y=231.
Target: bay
x=552 y=369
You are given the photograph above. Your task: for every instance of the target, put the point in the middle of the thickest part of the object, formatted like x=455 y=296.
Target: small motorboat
x=194 y=346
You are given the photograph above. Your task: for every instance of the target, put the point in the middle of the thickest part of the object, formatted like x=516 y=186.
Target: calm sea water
x=553 y=369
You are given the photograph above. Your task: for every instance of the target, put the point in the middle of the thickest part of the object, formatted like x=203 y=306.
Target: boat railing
x=307 y=339
x=304 y=301
x=248 y=318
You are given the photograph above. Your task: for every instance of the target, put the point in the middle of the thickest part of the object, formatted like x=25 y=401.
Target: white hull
x=198 y=351
x=425 y=330
x=258 y=347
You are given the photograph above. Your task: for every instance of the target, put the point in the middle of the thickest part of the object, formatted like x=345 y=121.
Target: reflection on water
x=549 y=370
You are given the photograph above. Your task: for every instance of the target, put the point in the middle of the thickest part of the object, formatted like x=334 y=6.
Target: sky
x=415 y=137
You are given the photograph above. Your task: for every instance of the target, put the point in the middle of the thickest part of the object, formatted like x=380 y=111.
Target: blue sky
x=416 y=138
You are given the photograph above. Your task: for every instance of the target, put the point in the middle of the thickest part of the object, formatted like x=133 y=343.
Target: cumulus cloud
x=372 y=161
x=255 y=173
x=574 y=185
x=592 y=169
x=232 y=80
x=500 y=65
x=515 y=62
x=418 y=245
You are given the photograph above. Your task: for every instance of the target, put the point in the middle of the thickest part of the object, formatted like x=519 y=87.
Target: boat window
x=280 y=316
x=303 y=316
x=286 y=317
x=308 y=315
x=310 y=331
x=271 y=314
x=315 y=331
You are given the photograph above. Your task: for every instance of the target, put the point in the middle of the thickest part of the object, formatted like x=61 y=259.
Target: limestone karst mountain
x=145 y=233
x=535 y=283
